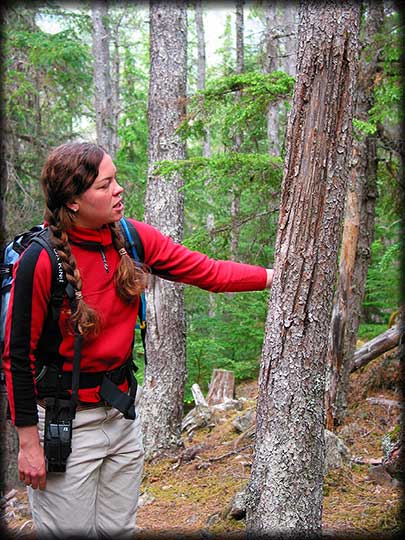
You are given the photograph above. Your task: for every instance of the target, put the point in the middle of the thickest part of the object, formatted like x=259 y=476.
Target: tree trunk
x=281 y=41
x=162 y=401
x=240 y=53
x=102 y=76
x=3 y=173
x=273 y=124
x=357 y=236
x=201 y=67
x=201 y=77
x=115 y=89
x=285 y=489
x=8 y=435
x=9 y=476
x=235 y=203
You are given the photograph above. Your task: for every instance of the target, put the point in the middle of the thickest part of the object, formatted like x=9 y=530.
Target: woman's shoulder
x=35 y=258
x=144 y=229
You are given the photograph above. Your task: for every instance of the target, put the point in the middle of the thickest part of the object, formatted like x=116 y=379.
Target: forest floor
x=186 y=494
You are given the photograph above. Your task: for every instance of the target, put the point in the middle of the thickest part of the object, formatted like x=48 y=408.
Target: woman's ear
x=73 y=206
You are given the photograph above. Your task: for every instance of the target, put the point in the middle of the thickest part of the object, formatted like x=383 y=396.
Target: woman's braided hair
x=69 y=171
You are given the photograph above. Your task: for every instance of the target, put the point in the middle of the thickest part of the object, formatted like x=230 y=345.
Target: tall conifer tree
x=285 y=489
x=162 y=403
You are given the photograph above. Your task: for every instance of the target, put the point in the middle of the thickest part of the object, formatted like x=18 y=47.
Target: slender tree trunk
x=240 y=53
x=281 y=44
x=162 y=402
x=201 y=77
x=285 y=489
x=102 y=75
x=201 y=66
x=273 y=124
x=115 y=90
x=235 y=203
x=358 y=235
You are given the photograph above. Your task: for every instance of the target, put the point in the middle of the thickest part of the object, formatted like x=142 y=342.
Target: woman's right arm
x=28 y=308
x=31 y=459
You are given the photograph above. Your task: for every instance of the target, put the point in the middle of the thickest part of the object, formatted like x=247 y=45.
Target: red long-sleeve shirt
x=97 y=260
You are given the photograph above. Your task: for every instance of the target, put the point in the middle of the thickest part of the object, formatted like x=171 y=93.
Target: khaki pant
x=97 y=496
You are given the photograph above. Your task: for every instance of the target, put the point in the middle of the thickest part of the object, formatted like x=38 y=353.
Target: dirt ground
x=188 y=492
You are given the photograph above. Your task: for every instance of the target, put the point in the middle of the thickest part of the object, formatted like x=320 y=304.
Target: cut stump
x=221 y=387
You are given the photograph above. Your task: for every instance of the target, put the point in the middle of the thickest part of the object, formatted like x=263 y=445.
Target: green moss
x=196 y=490
x=370 y=331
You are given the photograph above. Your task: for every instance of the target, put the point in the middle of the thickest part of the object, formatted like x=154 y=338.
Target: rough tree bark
x=358 y=233
x=162 y=401
x=8 y=435
x=3 y=167
x=102 y=75
x=285 y=490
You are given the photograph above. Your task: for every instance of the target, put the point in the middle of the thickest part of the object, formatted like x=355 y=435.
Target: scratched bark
x=285 y=489
x=162 y=402
x=358 y=231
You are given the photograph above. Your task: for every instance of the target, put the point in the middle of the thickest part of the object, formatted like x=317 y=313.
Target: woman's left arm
x=173 y=261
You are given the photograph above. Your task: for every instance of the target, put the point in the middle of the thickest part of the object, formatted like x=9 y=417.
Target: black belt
x=109 y=391
x=88 y=379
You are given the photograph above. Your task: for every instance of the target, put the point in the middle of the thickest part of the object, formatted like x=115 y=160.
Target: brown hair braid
x=87 y=319
x=130 y=277
x=69 y=171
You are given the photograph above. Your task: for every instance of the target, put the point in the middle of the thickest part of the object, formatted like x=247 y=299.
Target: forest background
x=49 y=92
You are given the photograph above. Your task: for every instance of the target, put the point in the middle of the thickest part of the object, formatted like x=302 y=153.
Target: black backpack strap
x=59 y=283
x=59 y=288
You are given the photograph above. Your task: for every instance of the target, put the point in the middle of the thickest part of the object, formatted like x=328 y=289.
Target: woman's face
x=101 y=203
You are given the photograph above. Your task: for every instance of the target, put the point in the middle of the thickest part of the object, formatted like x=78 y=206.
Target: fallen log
x=376 y=347
x=385 y=402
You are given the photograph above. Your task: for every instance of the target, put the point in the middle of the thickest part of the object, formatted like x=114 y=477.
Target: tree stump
x=221 y=387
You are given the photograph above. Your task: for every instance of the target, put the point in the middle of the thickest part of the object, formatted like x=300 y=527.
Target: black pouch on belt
x=57 y=433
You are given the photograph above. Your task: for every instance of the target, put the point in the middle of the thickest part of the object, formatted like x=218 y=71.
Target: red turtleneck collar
x=82 y=234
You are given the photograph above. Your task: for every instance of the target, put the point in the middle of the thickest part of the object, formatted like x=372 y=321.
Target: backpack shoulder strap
x=59 y=281
x=133 y=240
x=136 y=250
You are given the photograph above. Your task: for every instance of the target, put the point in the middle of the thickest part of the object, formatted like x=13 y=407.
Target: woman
x=97 y=494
